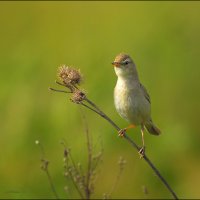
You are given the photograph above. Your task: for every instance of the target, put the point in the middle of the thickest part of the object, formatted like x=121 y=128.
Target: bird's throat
x=128 y=82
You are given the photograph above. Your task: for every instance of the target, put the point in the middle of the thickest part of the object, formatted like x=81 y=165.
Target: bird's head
x=124 y=65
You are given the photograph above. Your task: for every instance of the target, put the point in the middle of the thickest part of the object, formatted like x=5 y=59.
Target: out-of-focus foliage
x=36 y=37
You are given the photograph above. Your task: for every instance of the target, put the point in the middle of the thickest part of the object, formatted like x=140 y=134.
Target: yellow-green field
x=37 y=37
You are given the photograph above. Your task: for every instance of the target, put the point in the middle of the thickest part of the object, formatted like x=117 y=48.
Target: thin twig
x=44 y=167
x=66 y=161
x=51 y=183
x=72 y=160
x=89 y=151
x=55 y=90
x=102 y=114
x=160 y=176
x=138 y=148
x=98 y=159
x=90 y=108
x=57 y=82
x=76 y=186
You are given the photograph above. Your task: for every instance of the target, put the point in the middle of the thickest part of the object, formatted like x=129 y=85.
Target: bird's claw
x=142 y=152
x=122 y=132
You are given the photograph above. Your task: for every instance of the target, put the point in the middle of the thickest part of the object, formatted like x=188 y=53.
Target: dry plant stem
x=96 y=164
x=55 y=90
x=60 y=83
x=102 y=114
x=78 y=172
x=137 y=147
x=51 y=183
x=71 y=176
x=76 y=186
x=45 y=164
x=89 y=167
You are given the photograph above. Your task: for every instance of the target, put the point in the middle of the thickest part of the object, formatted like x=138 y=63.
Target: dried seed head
x=63 y=72
x=78 y=96
x=69 y=75
x=74 y=76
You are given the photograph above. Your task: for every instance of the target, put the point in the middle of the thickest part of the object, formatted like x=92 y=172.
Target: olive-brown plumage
x=131 y=98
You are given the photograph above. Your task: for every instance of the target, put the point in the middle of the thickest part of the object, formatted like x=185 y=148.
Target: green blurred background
x=36 y=37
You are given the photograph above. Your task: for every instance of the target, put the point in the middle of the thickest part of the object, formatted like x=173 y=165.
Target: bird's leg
x=142 y=150
x=123 y=131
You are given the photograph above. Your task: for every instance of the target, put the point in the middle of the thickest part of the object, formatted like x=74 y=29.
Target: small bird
x=131 y=98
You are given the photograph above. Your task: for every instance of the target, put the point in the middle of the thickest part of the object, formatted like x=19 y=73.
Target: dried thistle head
x=75 y=76
x=69 y=75
x=63 y=72
x=78 y=96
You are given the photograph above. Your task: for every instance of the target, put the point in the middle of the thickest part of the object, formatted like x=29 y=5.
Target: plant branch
x=89 y=151
x=102 y=114
x=76 y=186
x=44 y=167
x=67 y=156
x=121 y=168
x=51 y=183
x=55 y=90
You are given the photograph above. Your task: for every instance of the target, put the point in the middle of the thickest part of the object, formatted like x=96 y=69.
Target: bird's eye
x=126 y=63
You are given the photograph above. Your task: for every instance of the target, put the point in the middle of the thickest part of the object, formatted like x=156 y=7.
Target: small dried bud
x=74 y=76
x=63 y=72
x=69 y=75
x=78 y=96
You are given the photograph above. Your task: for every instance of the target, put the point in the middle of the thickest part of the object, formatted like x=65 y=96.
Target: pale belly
x=132 y=105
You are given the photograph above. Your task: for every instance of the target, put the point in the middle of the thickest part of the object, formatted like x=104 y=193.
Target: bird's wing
x=145 y=93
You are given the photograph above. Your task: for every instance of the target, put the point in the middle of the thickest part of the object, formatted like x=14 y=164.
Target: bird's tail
x=151 y=128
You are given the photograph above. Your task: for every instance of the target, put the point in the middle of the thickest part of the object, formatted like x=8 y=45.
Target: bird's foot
x=142 y=152
x=122 y=132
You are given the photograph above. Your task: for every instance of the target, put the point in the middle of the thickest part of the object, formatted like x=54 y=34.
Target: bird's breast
x=129 y=102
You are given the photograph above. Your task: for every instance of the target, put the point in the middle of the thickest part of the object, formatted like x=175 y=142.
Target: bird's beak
x=116 y=64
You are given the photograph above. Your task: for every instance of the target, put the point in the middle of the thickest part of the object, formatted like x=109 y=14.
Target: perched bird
x=131 y=99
